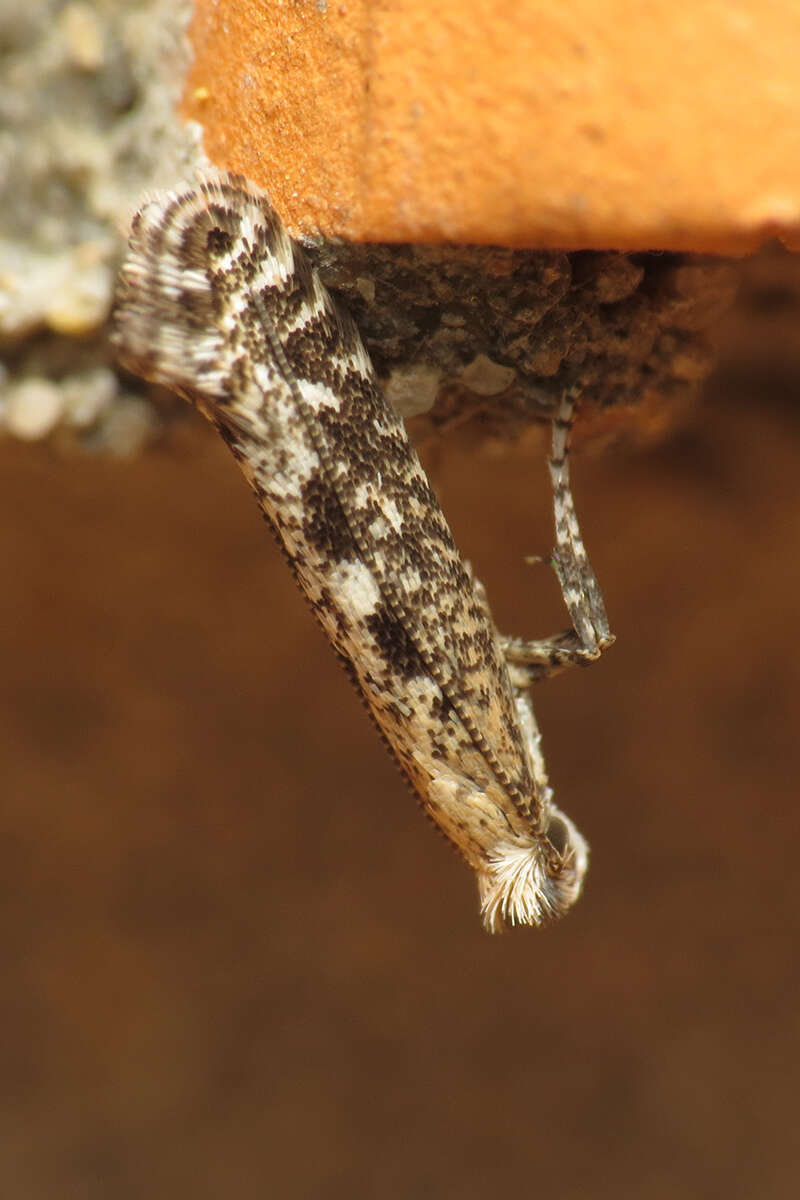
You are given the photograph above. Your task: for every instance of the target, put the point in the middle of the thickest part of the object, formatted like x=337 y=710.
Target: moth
x=217 y=302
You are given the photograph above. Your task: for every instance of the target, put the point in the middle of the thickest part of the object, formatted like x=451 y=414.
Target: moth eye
x=558 y=834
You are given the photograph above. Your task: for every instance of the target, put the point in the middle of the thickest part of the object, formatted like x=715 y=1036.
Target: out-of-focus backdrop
x=236 y=958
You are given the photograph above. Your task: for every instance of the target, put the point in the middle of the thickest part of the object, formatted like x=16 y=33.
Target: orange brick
x=581 y=124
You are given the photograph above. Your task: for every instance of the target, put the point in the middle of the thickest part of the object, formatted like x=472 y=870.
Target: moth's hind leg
x=530 y=661
x=579 y=586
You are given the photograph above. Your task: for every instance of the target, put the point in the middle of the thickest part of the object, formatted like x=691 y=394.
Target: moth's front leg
x=537 y=875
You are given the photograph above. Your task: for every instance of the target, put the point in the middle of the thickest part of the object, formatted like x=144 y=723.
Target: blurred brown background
x=236 y=958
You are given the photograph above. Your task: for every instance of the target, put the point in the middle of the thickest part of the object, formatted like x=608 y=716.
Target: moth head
x=529 y=881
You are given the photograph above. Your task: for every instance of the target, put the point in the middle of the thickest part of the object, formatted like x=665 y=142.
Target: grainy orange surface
x=580 y=124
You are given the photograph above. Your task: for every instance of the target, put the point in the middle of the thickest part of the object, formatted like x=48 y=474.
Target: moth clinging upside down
x=218 y=303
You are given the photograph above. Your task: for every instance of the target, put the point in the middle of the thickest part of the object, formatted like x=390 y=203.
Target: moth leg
x=579 y=586
x=559 y=830
x=533 y=742
x=479 y=590
x=530 y=661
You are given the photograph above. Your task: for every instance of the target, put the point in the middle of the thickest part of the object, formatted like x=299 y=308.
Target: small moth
x=217 y=302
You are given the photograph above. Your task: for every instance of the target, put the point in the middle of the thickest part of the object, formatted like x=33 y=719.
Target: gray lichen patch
x=87 y=121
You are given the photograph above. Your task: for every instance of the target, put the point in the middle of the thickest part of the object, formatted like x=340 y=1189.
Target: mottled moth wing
x=217 y=302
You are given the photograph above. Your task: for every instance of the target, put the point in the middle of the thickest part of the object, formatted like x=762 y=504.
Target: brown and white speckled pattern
x=217 y=302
